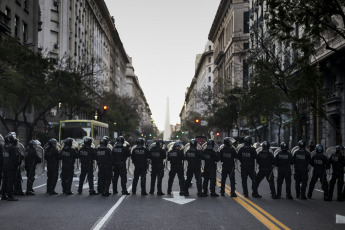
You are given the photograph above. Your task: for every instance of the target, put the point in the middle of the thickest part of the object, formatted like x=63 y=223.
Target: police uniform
x=228 y=155
x=176 y=158
x=119 y=156
x=103 y=156
x=193 y=157
x=247 y=156
x=283 y=161
x=68 y=156
x=337 y=160
x=139 y=157
x=87 y=156
x=52 y=157
x=301 y=160
x=157 y=156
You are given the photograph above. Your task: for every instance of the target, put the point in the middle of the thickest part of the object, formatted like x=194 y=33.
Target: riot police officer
x=157 y=157
x=210 y=170
x=247 y=156
x=176 y=158
x=140 y=155
x=301 y=160
x=103 y=157
x=228 y=155
x=119 y=156
x=87 y=156
x=265 y=160
x=337 y=160
x=11 y=163
x=31 y=160
x=52 y=157
x=68 y=156
x=194 y=157
x=320 y=163
x=283 y=161
x=18 y=190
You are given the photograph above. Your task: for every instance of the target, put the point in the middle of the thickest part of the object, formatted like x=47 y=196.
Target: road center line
x=258 y=208
x=104 y=219
x=39 y=186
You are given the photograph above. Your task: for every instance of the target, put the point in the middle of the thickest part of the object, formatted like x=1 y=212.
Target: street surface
x=168 y=212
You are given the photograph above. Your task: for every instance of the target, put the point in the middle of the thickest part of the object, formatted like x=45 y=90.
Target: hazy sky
x=163 y=38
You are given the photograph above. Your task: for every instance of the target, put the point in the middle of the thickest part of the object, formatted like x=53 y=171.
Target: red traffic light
x=105 y=107
x=143 y=130
x=197 y=120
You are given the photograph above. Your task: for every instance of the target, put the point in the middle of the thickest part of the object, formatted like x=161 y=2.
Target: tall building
x=230 y=36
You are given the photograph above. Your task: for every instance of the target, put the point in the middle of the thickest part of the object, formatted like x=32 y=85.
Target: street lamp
x=96 y=115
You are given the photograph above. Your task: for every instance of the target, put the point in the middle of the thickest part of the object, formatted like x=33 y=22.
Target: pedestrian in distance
x=157 y=156
x=320 y=164
x=176 y=158
x=140 y=156
x=31 y=160
x=266 y=163
x=301 y=160
x=337 y=161
x=103 y=157
x=228 y=155
x=283 y=160
x=52 y=157
x=87 y=156
x=210 y=170
x=119 y=156
x=68 y=156
x=11 y=160
x=247 y=156
x=193 y=157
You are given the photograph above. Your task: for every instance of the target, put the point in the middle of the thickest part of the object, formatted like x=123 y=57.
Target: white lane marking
x=339 y=219
x=40 y=186
x=104 y=219
x=318 y=190
x=179 y=199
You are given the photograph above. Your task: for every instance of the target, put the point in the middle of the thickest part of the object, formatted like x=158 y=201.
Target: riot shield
x=167 y=164
x=130 y=165
x=40 y=168
x=2 y=141
x=329 y=151
x=21 y=149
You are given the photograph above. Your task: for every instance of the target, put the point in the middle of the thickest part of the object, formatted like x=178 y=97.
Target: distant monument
x=167 y=130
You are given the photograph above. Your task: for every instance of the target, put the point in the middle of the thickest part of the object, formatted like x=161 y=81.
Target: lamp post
x=96 y=115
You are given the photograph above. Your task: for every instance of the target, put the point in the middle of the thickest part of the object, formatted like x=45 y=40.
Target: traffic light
x=197 y=121
x=150 y=135
x=105 y=107
x=217 y=134
x=143 y=131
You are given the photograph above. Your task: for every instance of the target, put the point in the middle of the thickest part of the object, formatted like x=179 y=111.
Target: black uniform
x=103 y=156
x=68 y=156
x=139 y=157
x=157 y=156
x=11 y=158
x=265 y=160
x=337 y=161
x=18 y=190
x=194 y=157
x=31 y=160
x=52 y=157
x=247 y=156
x=176 y=158
x=320 y=164
x=301 y=160
x=210 y=170
x=86 y=155
x=119 y=156
x=283 y=161
x=228 y=155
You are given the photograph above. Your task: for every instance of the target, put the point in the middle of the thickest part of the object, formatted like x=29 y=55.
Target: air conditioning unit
x=56 y=2
x=56 y=46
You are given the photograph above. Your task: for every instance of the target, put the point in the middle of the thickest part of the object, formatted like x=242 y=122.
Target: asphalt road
x=154 y=212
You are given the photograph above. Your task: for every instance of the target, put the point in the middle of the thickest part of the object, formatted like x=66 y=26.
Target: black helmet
x=103 y=142
x=177 y=145
x=227 y=141
x=9 y=140
x=301 y=144
x=141 y=142
x=52 y=142
x=247 y=141
x=210 y=144
x=32 y=143
x=193 y=143
x=88 y=141
x=265 y=145
x=159 y=143
x=339 y=148
x=120 y=141
x=69 y=142
x=319 y=149
x=283 y=146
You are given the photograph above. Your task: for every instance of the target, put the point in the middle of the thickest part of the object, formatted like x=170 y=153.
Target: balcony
x=4 y=23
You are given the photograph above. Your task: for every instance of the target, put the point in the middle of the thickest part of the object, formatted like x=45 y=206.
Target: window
x=209 y=59
x=209 y=79
x=209 y=69
x=25 y=32
x=209 y=88
x=16 y=25
x=245 y=45
x=8 y=12
x=26 y=4
x=246 y=22
x=209 y=48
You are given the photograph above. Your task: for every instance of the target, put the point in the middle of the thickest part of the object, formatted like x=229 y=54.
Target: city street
x=154 y=212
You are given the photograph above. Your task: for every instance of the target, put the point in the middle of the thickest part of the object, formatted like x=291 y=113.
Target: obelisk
x=167 y=131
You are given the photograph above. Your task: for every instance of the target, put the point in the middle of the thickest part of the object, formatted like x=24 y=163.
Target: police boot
x=19 y=193
x=4 y=197
x=213 y=194
x=93 y=192
x=233 y=194
x=275 y=197
x=289 y=197
x=222 y=194
x=53 y=193
x=29 y=193
x=202 y=195
x=144 y=193
x=303 y=197
x=160 y=193
x=11 y=198
x=152 y=191
x=125 y=193
x=327 y=198
x=256 y=195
